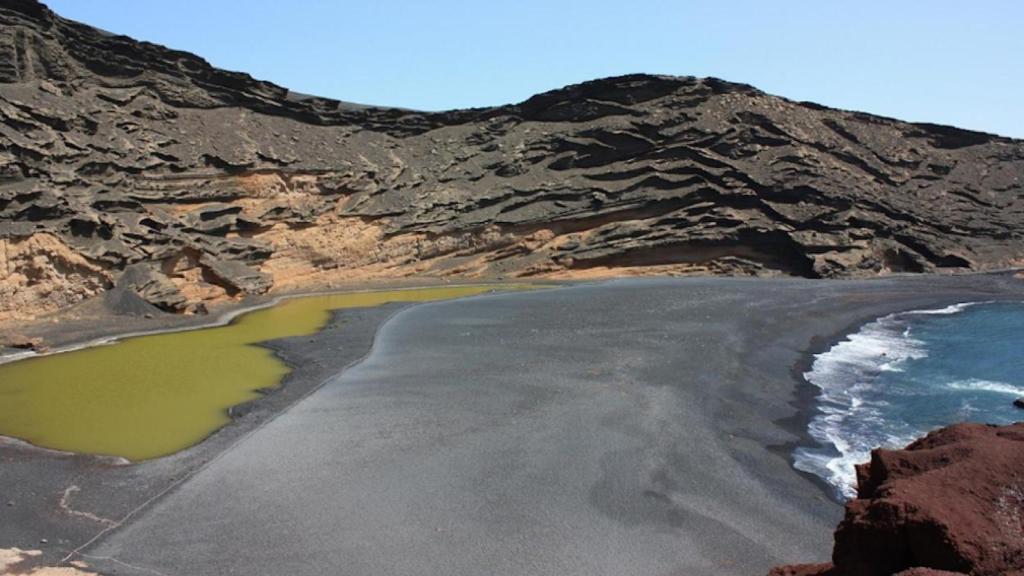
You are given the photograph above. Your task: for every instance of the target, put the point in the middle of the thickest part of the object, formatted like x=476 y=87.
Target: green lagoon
x=150 y=396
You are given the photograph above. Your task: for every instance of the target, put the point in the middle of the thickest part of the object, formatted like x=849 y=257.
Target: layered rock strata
x=123 y=162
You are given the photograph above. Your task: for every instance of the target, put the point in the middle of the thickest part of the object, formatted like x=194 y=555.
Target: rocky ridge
x=124 y=163
x=949 y=503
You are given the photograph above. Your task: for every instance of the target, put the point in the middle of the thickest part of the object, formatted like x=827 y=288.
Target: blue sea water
x=908 y=373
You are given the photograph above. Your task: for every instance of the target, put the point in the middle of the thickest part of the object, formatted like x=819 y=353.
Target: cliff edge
x=949 y=503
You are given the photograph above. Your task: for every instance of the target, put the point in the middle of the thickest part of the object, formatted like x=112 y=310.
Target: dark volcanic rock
x=124 y=152
x=1019 y=403
x=127 y=302
x=153 y=286
x=235 y=276
x=21 y=342
x=952 y=501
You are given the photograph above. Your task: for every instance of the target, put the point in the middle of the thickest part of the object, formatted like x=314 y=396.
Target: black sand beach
x=68 y=499
x=630 y=427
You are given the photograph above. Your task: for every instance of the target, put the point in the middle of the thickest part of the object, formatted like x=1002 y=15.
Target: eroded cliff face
x=40 y=271
x=208 y=185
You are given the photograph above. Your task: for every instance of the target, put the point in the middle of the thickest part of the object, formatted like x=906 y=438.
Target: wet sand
x=69 y=499
x=633 y=427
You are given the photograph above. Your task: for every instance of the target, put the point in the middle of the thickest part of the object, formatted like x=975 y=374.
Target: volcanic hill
x=124 y=163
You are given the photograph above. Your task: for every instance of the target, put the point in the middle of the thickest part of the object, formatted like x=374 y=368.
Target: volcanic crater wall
x=126 y=163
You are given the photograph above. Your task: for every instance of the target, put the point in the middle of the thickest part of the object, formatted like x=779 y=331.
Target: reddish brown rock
x=951 y=502
x=829 y=570
x=927 y=572
x=802 y=570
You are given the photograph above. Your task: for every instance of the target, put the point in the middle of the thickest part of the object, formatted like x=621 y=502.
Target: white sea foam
x=967 y=410
x=976 y=385
x=951 y=309
x=845 y=373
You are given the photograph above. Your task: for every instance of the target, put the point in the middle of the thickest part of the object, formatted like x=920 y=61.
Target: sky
x=942 y=61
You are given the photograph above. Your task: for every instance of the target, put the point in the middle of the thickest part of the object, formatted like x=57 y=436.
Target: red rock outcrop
x=951 y=502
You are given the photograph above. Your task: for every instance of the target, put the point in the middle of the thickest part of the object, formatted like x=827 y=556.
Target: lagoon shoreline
x=766 y=425
x=103 y=320
x=35 y=480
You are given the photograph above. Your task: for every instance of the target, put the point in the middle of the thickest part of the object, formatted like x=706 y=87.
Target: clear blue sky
x=945 y=61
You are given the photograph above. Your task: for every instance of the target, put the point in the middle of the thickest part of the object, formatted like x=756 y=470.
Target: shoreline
x=807 y=394
x=245 y=409
x=111 y=489
x=806 y=400
x=110 y=329
x=737 y=431
x=810 y=406
x=235 y=411
x=305 y=352
x=225 y=316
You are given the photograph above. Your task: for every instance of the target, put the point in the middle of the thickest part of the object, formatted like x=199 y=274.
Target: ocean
x=905 y=374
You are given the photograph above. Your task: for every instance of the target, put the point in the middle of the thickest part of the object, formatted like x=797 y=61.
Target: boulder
x=235 y=276
x=951 y=502
x=153 y=287
x=22 y=342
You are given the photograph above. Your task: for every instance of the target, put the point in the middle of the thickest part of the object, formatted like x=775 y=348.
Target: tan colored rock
x=41 y=273
x=16 y=561
x=20 y=341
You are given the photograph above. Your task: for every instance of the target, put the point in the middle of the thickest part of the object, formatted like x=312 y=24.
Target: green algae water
x=151 y=396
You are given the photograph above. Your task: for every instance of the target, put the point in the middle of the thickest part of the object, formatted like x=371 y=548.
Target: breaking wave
x=879 y=387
